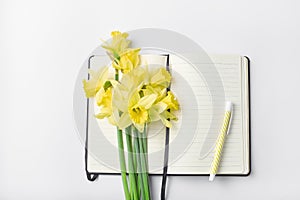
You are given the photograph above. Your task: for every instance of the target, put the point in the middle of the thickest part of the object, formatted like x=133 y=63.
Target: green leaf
x=107 y=85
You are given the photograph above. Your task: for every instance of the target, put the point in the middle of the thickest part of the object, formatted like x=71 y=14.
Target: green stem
x=132 y=176
x=134 y=157
x=138 y=163
x=122 y=155
x=117 y=75
x=122 y=164
x=145 y=145
x=144 y=167
x=135 y=153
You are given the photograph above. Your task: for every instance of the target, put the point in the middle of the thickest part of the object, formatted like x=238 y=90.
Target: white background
x=44 y=43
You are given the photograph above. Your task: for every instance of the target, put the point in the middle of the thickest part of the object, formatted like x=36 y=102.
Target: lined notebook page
x=194 y=117
x=230 y=71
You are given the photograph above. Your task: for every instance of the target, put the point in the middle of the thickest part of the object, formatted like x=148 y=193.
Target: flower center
x=138 y=114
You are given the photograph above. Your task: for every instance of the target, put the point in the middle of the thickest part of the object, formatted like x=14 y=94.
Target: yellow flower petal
x=128 y=60
x=161 y=78
x=160 y=107
x=112 y=121
x=117 y=45
x=118 y=33
x=140 y=127
x=171 y=101
x=119 y=100
x=134 y=99
x=115 y=117
x=156 y=110
x=147 y=101
x=104 y=101
x=138 y=107
x=169 y=115
x=104 y=98
x=166 y=122
x=105 y=112
x=166 y=117
x=124 y=121
x=97 y=79
x=153 y=115
x=138 y=114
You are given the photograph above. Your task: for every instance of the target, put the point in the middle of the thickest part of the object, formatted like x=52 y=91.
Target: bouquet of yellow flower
x=136 y=96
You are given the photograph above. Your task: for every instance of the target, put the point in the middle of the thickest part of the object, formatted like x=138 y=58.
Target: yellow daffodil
x=105 y=112
x=138 y=107
x=149 y=89
x=103 y=100
x=171 y=101
x=118 y=33
x=128 y=60
x=166 y=118
x=137 y=112
x=97 y=79
x=129 y=84
x=156 y=110
x=117 y=45
x=159 y=111
x=100 y=86
x=140 y=101
x=162 y=109
x=161 y=77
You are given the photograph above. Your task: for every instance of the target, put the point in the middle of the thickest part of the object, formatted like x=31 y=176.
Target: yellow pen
x=220 y=141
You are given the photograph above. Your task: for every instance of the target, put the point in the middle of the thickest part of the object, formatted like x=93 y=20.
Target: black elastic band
x=166 y=155
x=90 y=177
x=165 y=170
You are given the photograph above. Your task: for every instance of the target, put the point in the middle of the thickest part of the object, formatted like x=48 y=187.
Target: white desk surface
x=44 y=43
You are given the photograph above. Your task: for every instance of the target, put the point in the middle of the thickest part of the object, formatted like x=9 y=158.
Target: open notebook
x=193 y=136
